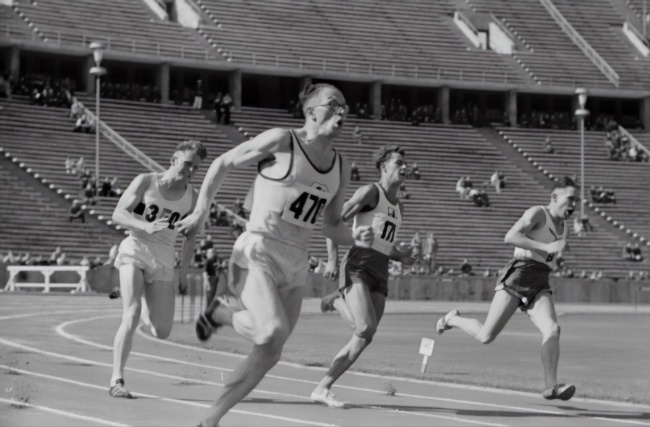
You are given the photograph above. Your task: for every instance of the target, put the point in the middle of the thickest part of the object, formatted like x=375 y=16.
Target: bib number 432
x=308 y=204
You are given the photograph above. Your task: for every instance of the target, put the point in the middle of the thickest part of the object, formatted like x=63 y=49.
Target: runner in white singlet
x=150 y=208
x=538 y=236
x=301 y=176
x=363 y=283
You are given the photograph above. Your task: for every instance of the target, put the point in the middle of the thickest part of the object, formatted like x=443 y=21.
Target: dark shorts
x=524 y=279
x=353 y=271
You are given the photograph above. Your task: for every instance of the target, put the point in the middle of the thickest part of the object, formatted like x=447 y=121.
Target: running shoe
x=442 y=325
x=328 y=398
x=327 y=302
x=205 y=326
x=560 y=391
x=118 y=390
x=115 y=293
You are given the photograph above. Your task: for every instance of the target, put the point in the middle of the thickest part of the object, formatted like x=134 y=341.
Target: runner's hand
x=191 y=225
x=157 y=225
x=409 y=256
x=555 y=247
x=331 y=271
x=364 y=236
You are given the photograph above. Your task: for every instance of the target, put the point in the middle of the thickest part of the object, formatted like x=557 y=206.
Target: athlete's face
x=564 y=201
x=395 y=168
x=185 y=164
x=328 y=109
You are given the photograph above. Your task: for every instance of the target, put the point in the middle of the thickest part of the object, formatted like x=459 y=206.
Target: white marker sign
x=426 y=349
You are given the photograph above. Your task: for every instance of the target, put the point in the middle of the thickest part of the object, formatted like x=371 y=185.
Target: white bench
x=46 y=271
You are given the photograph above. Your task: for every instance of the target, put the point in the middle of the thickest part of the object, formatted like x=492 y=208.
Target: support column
x=375 y=100
x=645 y=113
x=511 y=107
x=443 y=104
x=162 y=81
x=90 y=79
x=234 y=87
x=14 y=63
x=304 y=82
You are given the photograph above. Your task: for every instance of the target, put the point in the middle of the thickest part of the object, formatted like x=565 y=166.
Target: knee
x=161 y=331
x=131 y=317
x=366 y=332
x=553 y=331
x=272 y=333
x=485 y=338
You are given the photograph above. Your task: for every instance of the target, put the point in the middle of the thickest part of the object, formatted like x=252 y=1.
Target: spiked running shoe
x=327 y=302
x=328 y=398
x=205 y=326
x=560 y=391
x=118 y=390
x=442 y=325
x=115 y=293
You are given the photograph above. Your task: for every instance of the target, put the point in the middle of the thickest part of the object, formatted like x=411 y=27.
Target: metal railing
x=582 y=44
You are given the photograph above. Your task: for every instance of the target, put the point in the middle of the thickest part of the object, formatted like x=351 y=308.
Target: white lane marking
x=99 y=421
x=41 y=313
x=60 y=330
x=164 y=399
x=424 y=414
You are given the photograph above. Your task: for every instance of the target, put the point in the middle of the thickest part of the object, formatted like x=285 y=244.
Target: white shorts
x=157 y=263
x=285 y=264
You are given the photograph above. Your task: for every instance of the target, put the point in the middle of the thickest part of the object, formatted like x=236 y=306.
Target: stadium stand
x=125 y=26
x=12 y=27
x=551 y=57
x=383 y=38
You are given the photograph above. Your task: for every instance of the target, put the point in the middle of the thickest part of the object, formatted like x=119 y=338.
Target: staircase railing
x=582 y=44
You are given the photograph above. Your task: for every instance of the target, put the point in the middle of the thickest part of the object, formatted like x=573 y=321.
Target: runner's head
x=324 y=108
x=186 y=159
x=390 y=161
x=563 y=197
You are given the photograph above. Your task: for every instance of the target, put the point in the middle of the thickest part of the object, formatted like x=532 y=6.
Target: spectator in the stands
x=216 y=106
x=463 y=186
x=9 y=259
x=466 y=268
x=207 y=243
x=55 y=255
x=429 y=251
x=578 y=229
x=415 y=172
x=636 y=253
x=548 y=145
x=226 y=106
x=96 y=262
x=358 y=135
x=222 y=217
x=402 y=193
x=76 y=212
x=198 y=95
x=75 y=109
x=633 y=154
x=106 y=188
x=596 y=275
x=83 y=124
x=69 y=166
x=115 y=190
x=586 y=224
x=85 y=262
x=238 y=208
x=354 y=172
x=212 y=217
x=26 y=259
x=80 y=166
x=62 y=260
x=497 y=181
x=5 y=86
x=89 y=195
x=487 y=272
x=479 y=197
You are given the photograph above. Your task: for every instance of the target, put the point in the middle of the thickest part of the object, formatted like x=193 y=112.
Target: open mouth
x=339 y=123
x=570 y=211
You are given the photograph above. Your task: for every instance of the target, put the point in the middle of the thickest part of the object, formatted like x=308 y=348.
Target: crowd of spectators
x=57 y=257
x=479 y=196
x=222 y=107
x=130 y=92
x=632 y=252
x=45 y=91
x=619 y=147
x=5 y=85
x=602 y=195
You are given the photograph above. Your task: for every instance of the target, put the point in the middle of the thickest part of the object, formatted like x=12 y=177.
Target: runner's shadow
x=632 y=415
x=461 y=412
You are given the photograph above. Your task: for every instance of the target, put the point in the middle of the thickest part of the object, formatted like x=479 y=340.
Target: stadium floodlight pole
x=582 y=113
x=98 y=71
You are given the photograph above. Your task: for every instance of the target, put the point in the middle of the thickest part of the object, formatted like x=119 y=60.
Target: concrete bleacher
x=629 y=180
x=552 y=57
x=602 y=26
x=32 y=222
x=122 y=25
x=12 y=27
x=371 y=37
x=443 y=154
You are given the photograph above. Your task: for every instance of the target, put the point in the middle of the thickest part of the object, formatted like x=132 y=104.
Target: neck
x=554 y=215
x=311 y=136
x=390 y=188
x=169 y=179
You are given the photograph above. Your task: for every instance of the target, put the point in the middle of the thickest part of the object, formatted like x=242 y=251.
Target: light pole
x=98 y=71
x=582 y=113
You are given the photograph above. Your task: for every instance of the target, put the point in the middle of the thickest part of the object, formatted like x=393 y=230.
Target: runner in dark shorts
x=363 y=285
x=539 y=236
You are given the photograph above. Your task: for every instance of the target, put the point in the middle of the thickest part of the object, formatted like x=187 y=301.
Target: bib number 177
x=309 y=204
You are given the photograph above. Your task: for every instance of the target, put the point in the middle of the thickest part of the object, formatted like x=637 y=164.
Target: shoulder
x=144 y=179
x=536 y=215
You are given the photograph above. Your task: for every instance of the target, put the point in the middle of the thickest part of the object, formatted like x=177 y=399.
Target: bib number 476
x=309 y=202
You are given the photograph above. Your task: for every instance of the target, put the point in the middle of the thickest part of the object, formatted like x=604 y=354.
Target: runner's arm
x=338 y=212
x=189 y=244
x=532 y=219
x=122 y=215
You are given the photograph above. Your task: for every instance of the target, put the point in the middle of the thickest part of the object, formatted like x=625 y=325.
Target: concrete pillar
x=162 y=81
x=443 y=104
x=511 y=107
x=304 y=82
x=375 y=100
x=14 y=63
x=90 y=79
x=645 y=113
x=234 y=87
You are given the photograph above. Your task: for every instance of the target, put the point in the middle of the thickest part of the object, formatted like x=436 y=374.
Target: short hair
x=310 y=91
x=383 y=154
x=192 y=145
x=564 y=182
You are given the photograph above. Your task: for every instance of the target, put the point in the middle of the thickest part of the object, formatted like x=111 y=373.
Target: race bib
x=385 y=228
x=304 y=205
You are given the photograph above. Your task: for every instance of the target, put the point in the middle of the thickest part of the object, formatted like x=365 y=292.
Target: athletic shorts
x=362 y=272
x=524 y=279
x=285 y=264
x=157 y=263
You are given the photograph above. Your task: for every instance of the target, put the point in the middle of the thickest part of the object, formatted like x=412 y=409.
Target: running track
x=55 y=355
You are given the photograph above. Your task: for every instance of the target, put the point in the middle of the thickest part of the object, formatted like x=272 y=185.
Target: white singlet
x=545 y=234
x=290 y=193
x=385 y=220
